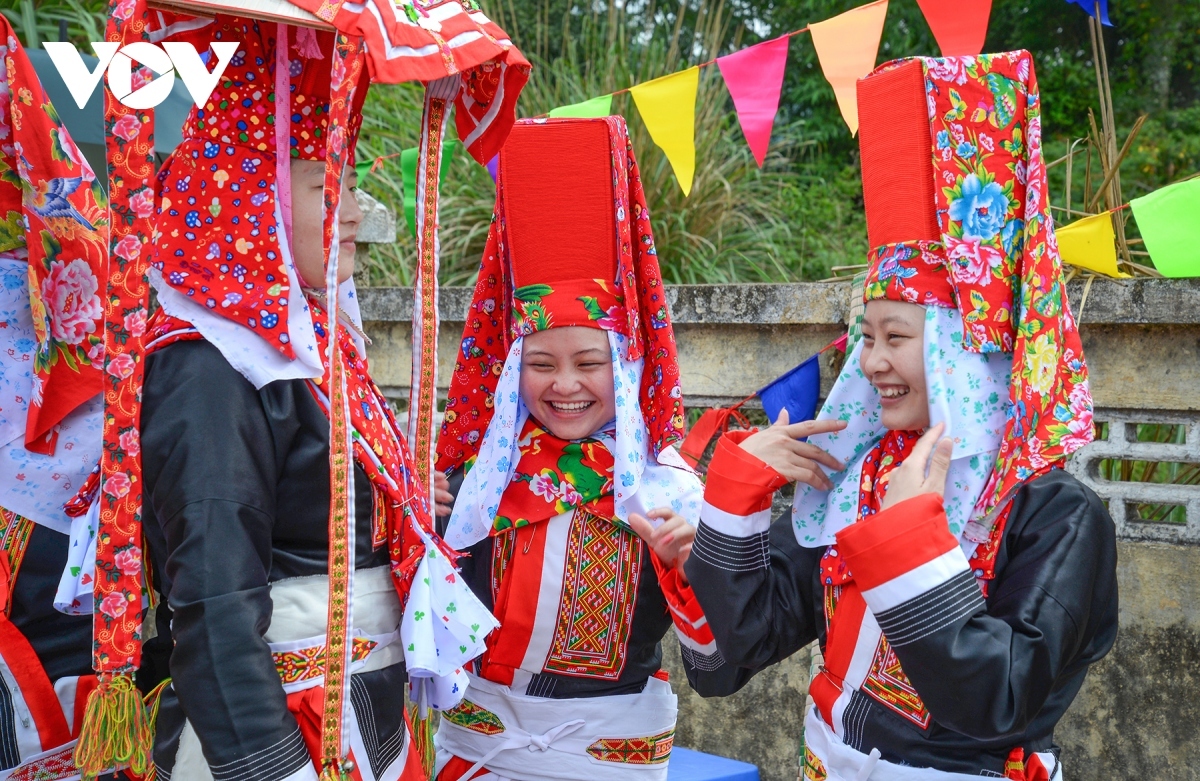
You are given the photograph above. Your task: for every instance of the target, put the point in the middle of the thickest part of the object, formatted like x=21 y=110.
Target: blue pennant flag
x=798 y=391
x=1090 y=7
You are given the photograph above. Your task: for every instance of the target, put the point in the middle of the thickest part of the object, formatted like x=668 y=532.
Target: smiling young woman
x=893 y=361
x=567 y=380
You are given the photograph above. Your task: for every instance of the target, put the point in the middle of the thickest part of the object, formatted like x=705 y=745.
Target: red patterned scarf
x=556 y=475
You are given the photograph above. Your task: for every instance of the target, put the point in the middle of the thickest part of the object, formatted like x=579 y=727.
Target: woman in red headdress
x=959 y=581
x=571 y=501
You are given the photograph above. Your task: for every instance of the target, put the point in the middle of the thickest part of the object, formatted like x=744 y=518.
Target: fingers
x=806 y=428
x=441 y=482
x=782 y=420
x=814 y=453
x=641 y=527
x=939 y=466
x=805 y=471
x=924 y=447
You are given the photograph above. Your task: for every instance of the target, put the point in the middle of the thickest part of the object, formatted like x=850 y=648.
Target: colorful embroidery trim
x=653 y=750
x=599 y=594
x=306 y=664
x=813 y=768
x=888 y=684
x=470 y=716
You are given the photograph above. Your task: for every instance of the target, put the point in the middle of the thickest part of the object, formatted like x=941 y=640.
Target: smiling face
x=308 y=222
x=567 y=380
x=893 y=360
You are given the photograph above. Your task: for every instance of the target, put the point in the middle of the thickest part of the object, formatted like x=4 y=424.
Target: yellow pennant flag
x=847 y=46
x=1090 y=244
x=668 y=107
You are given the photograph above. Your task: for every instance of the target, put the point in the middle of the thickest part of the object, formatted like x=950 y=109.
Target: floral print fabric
x=554 y=476
x=54 y=223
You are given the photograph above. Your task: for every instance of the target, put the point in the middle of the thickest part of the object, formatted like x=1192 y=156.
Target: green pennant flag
x=1168 y=221
x=408 y=177
x=588 y=109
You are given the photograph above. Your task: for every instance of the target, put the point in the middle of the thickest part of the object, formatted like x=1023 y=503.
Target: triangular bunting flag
x=847 y=46
x=958 y=25
x=1167 y=220
x=1090 y=7
x=596 y=107
x=1091 y=244
x=668 y=107
x=754 y=77
x=797 y=391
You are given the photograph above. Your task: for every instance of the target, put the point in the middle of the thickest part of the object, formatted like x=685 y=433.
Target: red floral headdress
x=570 y=245
x=54 y=215
x=973 y=231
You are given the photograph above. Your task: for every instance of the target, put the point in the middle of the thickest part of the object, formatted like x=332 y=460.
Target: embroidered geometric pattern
x=598 y=599
x=888 y=684
x=59 y=765
x=814 y=768
x=470 y=716
x=305 y=664
x=634 y=751
x=13 y=540
x=502 y=549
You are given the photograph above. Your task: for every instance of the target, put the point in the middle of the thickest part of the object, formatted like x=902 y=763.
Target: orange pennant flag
x=847 y=46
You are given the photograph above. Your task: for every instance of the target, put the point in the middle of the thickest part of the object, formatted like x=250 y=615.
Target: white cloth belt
x=558 y=732
x=843 y=763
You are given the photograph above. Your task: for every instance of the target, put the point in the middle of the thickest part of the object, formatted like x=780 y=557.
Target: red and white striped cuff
x=686 y=613
x=910 y=569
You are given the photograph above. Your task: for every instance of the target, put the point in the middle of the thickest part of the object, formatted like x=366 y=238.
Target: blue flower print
x=627 y=479
x=966 y=150
x=943 y=139
x=981 y=209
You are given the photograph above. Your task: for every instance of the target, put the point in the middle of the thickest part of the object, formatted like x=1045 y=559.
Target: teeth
x=893 y=393
x=573 y=406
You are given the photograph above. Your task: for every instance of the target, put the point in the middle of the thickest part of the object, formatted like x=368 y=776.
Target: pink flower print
x=135 y=323
x=121 y=366
x=70 y=295
x=113 y=605
x=124 y=9
x=131 y=443
x=1080 y=432
x=129 y=561
x=128 y=247
x=973 y=261
x=142 y=203
x=117 y=485
x=611 y=320
x=95 y=353
x=128 y=127
x=543 y=485
x=570 y=496
x=1080 y=400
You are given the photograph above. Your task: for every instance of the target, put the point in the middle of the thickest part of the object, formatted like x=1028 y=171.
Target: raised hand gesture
x=779 y=447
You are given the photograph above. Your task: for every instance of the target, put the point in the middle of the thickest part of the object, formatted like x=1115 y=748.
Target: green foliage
x=38 y=20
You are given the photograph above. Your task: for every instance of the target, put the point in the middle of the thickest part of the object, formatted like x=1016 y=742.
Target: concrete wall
x=1138 y=715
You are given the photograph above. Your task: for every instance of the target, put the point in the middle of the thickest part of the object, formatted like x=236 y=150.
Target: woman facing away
x=574 y=508
x=958 y=580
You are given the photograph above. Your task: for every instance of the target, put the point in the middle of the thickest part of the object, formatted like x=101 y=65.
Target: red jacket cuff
x=737 y=482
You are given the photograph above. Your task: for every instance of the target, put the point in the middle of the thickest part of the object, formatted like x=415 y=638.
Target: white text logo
x=178 y=58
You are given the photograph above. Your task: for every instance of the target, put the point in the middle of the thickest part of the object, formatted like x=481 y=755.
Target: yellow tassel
x=115 y=732
x=423 y=738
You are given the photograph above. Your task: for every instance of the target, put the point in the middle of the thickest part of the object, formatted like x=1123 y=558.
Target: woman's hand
x=909 y=480
x=779 y=448
x=443 y=500
x=671 y=541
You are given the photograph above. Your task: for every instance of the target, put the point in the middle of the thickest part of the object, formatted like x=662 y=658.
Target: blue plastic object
x=798 y=390
x=688 y=765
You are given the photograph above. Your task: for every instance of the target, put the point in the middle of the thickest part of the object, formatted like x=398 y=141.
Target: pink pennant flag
x=754 y=77
x=958 y=25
